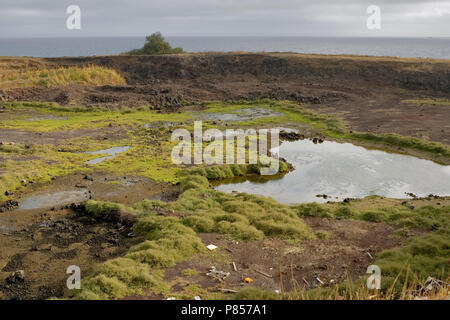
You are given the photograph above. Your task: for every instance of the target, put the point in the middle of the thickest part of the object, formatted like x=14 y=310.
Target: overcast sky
x=47 y=18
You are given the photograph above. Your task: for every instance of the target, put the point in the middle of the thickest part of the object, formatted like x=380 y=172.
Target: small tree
x=155 y=44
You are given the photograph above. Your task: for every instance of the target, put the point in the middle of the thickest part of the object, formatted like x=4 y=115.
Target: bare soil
x=45 y=243
x=365 y=91
x=273 y=264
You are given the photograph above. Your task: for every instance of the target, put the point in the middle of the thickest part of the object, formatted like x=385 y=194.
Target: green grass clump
x=240 y=216
x=254 y=293
x=312 y=210
x=101 y=208
x=117 y=278
x=168 y=242
x=425 y=256
x=227 y=171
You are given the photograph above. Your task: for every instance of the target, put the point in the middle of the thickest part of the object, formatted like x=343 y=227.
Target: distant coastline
x=436 y=48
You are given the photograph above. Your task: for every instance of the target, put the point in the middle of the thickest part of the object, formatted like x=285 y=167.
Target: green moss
x=84 y=118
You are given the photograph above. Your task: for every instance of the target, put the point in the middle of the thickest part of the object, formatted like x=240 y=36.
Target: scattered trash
x=131 y=235
x=16 y=276
x=370 y=256
x=171 y=298
x=307 y=283
x=218 y=275
x=320 y=281
x=264 y=274
x=248 y=280
x=211 y=247
x=234 y=266
x=228 y=290
x=277 y=291
x=197 y=298
x=433 y=284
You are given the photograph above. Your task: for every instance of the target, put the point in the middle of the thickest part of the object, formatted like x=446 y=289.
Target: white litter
x=197 y=298
x=211 y=247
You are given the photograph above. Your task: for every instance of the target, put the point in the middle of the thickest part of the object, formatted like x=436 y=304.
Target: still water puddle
x=237 y=115
x=343 y=170
x=47 y=117
x=158 y=124
x=112 y=152
x=53 y=199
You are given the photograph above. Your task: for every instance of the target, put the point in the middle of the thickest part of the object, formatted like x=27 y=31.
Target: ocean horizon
x=436 y=48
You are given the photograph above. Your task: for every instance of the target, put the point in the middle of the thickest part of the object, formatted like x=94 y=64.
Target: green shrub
x=155 y=44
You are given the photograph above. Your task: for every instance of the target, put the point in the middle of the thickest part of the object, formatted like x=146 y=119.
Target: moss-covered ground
x=171 y=227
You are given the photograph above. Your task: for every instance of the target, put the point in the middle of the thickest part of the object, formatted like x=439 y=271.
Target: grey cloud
x=28 y=18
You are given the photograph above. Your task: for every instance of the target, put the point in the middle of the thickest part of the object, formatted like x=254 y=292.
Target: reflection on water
x=46 y=117
x=111 y=151
x=344 y=170
x=237 y=115
x=53 y=199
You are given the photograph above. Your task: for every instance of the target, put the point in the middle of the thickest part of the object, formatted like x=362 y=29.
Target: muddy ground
x=44 y=241
x=366 y=92
x=48 y=243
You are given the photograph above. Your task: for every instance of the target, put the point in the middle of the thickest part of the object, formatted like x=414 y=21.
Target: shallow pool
x=344 y=170
x=112 y=152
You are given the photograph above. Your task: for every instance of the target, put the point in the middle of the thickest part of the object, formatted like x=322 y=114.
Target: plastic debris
x=264 y=274
x=433 y=284
x=248 y=280
x=211 y=247
x=197 y=298
x=171 y=298
x=218 y=275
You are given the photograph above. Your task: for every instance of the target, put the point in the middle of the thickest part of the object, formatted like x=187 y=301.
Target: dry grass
x=90 y=75
x=349 y=290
